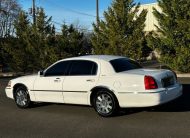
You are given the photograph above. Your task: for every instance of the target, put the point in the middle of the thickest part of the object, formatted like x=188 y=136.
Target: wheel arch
x=97 y=88
x=16 y=86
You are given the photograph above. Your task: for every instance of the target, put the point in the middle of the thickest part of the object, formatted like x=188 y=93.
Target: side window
x=83 y=67
x=124 y=64
x=58 y=69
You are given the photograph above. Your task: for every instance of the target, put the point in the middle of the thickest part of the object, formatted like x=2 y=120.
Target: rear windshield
x=124 y=64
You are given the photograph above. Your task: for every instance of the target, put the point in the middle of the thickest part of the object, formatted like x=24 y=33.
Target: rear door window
x=83 y=67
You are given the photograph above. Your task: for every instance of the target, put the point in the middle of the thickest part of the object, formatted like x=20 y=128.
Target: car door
x=48 y=88
x=82 y=77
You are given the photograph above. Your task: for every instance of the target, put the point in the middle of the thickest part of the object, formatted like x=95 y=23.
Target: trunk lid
x=164 y=78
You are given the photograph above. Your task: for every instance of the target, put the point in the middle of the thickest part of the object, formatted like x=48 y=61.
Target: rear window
x=124 y=64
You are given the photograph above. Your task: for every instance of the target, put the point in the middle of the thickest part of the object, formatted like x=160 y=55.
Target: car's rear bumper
x=147 y=99
x=9 y=92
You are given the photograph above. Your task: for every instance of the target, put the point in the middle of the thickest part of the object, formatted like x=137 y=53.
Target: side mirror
x=41 y=73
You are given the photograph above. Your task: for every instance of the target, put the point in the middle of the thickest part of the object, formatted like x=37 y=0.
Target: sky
x=78 y=12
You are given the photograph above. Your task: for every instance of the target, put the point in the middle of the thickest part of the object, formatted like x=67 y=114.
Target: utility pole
x=97 y=12
x=34 y=11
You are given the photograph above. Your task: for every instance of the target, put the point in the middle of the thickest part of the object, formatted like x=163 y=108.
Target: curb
x=183 y=75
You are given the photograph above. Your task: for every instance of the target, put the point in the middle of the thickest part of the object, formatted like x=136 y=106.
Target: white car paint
x=128 y=86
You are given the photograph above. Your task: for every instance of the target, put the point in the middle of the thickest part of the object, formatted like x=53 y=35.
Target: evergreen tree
x=18 y=49
x=71 y=42
x=43 y=33
x=121 y=33
x=36 y=46
x=33 y=48
x=173 y=34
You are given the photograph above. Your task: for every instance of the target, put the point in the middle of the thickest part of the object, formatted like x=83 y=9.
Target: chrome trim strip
x=58 y=91
x=76 y=91
x=141 y=92
x=152 y=92
x=126 y=92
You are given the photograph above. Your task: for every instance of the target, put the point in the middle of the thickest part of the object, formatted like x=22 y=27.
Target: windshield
x=124 y=64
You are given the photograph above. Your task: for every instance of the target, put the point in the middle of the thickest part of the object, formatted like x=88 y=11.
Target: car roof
x=95 y=57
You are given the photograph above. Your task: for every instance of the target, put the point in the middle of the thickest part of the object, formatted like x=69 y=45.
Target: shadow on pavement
x=36 y=105
x=182 y=104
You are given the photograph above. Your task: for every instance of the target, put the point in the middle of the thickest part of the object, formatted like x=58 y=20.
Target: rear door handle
x=57 y=80
x=90 y=80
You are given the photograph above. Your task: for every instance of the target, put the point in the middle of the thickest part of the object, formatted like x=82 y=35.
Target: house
x=151 y=20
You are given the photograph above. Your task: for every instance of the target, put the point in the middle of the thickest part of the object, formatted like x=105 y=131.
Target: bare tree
x=9 y=10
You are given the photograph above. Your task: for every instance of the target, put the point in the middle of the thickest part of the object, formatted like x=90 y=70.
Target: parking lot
x=60 y=120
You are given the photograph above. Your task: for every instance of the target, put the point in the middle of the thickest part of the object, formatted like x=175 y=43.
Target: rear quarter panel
x=124 y=83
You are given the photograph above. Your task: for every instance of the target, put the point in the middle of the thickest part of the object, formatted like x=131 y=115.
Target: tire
x=105 y=103
x=22 y=98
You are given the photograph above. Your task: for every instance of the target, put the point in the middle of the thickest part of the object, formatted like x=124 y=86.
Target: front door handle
x=90 y=80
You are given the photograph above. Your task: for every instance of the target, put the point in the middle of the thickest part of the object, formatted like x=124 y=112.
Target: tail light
x=150 y=83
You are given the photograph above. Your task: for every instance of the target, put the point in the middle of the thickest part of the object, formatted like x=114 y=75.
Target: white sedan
x=104 y=82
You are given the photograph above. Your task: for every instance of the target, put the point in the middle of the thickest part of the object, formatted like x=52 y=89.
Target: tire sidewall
x=114 y=101
x=28 y=97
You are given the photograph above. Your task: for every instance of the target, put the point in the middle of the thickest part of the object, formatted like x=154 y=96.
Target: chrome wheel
x=104 y=103
x=21 y=98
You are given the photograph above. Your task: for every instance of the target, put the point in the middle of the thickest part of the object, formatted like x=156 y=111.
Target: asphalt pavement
x=171 y=120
